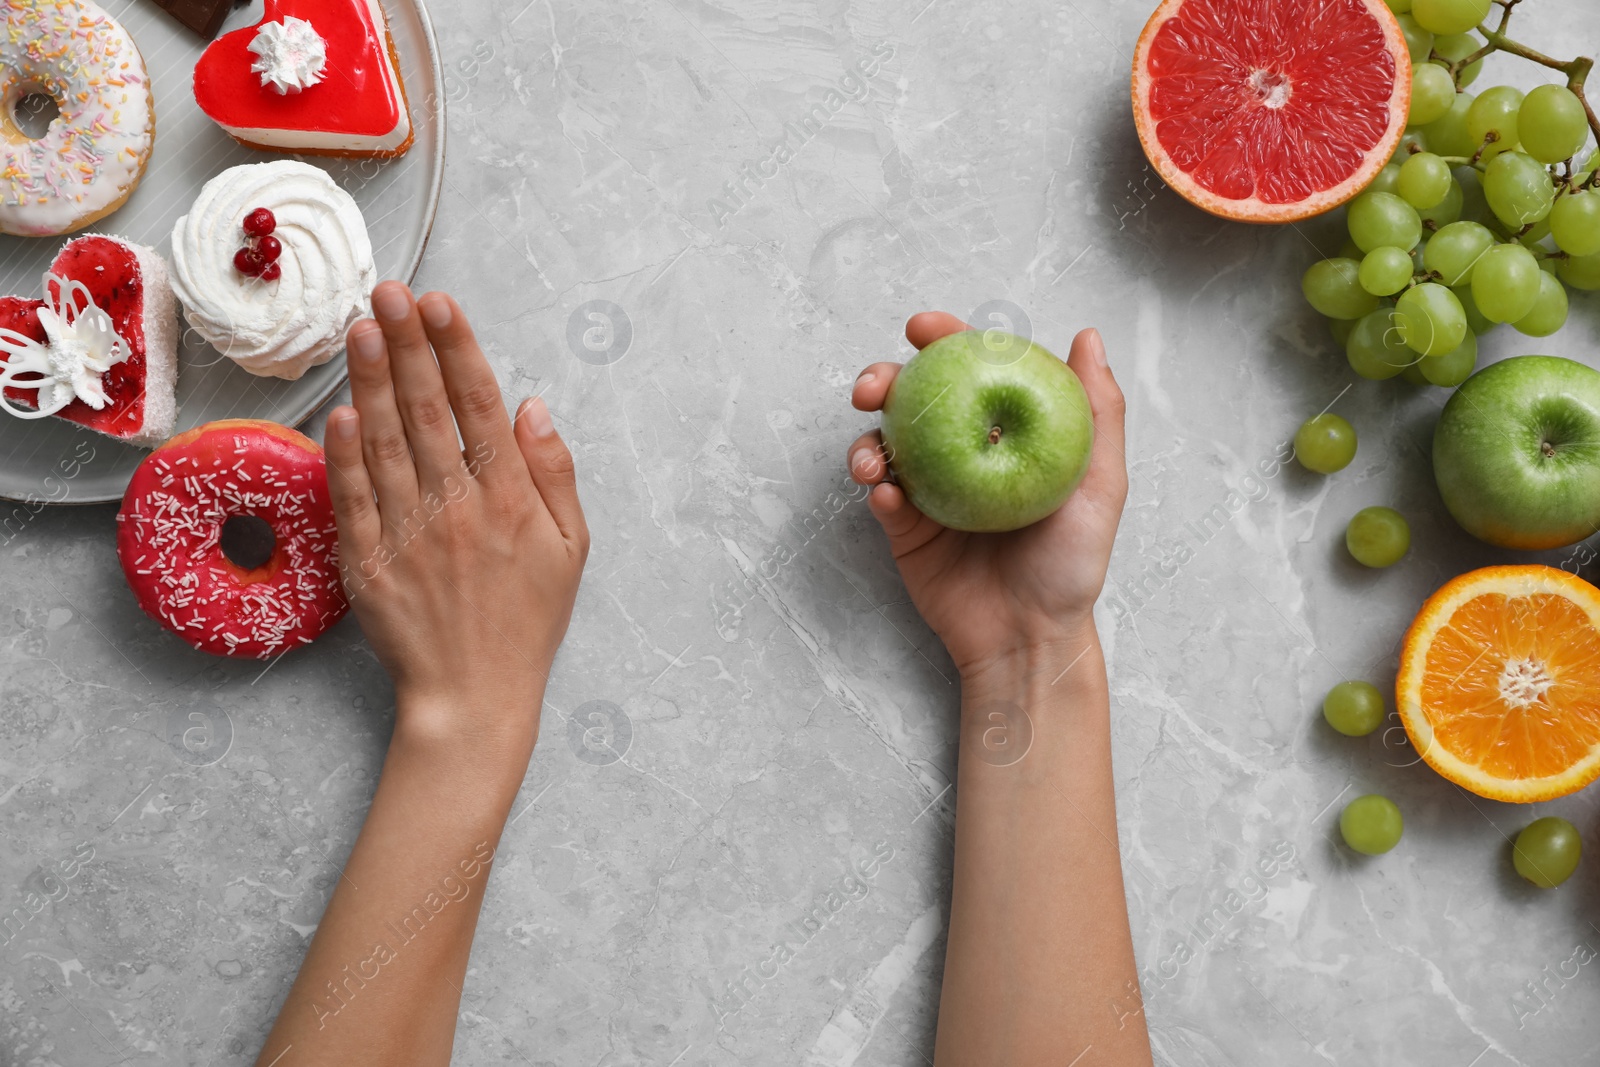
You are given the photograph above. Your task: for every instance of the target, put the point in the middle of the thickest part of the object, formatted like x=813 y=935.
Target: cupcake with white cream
x=273 y=265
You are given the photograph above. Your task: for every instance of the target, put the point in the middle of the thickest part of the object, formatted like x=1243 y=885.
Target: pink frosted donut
x=227 y=538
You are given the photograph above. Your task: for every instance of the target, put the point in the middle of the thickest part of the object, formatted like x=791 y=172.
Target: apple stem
x=994 y=435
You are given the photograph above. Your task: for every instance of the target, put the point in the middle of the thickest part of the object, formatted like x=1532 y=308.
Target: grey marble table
x=693 y=304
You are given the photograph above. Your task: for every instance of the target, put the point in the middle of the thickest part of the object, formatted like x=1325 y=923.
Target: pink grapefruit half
x=1270 y=110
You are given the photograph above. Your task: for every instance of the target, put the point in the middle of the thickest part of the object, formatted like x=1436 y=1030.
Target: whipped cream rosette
x=291 y=56
x=294 y=318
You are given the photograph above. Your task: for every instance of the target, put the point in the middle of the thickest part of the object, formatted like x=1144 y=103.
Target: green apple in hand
x=987 y=432
x=1516 y=453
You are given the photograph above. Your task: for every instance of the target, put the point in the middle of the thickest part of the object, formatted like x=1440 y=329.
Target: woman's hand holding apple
x=1038 y=924
x=992 y=596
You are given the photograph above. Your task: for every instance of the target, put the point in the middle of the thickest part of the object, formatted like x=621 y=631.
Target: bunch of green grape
x=1482 y=215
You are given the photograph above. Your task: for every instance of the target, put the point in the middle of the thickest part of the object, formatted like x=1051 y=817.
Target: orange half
x=1499 y=685
x=1271 y=110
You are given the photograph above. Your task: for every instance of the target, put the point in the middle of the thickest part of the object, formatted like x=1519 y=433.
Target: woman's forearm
x=381 y=982
x=1039 y=967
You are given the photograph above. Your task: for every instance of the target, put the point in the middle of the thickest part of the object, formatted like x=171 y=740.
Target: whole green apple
x=1516 y=453
x=987 y=432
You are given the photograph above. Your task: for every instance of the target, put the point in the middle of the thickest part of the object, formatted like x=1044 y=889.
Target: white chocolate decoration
x=291 y=55
x=82 y=344
x=280 y=328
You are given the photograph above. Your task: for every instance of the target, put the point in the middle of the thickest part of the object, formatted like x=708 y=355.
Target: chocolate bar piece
x=204 y=17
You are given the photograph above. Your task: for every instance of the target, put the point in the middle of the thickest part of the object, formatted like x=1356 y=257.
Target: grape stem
x=1576 y=70
x=1476 y=159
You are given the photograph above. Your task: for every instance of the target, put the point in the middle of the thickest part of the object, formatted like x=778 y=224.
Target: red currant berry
x=271 y=272
x=270 y=248
x=260 y=222
x=249 y=262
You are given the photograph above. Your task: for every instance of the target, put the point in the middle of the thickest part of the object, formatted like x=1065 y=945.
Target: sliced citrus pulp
x=1271 y=110
x=1499 y=685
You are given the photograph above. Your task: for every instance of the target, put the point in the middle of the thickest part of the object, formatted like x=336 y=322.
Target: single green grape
x=1377 y=537
x=1432 y=92
x=1575 y=223
x=1476 y=323
x=1455 y=47
x=1419 y=42
x=1456 y=249
x=1452 y=368
x=1371 y=824
x=1375 y=349
x=1549 y=312
x=1505 y=283
x=1355 y=709
x=1377 y=220
x=1448 y=135
x=1424 y=180
x=1449 y=16
x=1386 y=180
x=1552 y=124
x=1580 y=272
x=1494 y=111
x=1445 y=211
x=1325 y=443
x=1429 y=318
x=1547 y=851
x=1333 y=287
x=1341 y=329
x=1519 y=190
x=1386 y=271
x=1399 y=7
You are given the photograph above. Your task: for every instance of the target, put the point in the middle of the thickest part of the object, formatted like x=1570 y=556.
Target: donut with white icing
x=93 y=155
x=195 y=494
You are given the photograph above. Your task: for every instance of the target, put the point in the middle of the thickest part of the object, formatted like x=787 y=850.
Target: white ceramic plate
x=55 y=461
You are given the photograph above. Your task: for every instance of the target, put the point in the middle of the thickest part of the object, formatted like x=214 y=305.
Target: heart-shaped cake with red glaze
x=314 y=76
x=101 y=348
